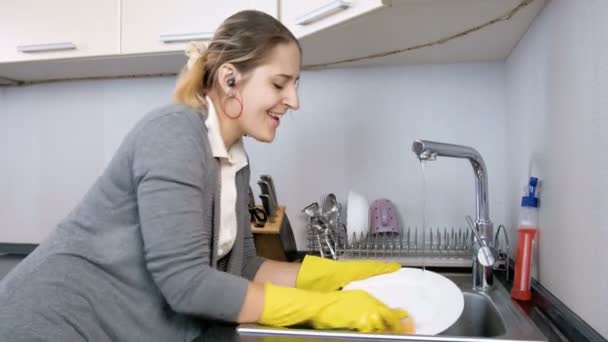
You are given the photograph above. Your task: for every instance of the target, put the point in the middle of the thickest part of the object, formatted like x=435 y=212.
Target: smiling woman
x=161 y=244
x=249 y=73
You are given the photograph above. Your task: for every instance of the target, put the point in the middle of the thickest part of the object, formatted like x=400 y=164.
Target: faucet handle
x=474 y=230
x=486 y=255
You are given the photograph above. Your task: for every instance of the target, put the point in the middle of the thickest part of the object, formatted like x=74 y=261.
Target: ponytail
x=190 y=89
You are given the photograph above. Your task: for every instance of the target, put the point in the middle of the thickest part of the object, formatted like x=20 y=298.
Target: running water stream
x=424 y=211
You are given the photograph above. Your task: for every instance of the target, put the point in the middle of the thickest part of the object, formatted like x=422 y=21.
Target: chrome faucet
x=484 y=254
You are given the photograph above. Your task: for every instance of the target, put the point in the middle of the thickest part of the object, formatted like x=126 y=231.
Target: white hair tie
x=194 y=51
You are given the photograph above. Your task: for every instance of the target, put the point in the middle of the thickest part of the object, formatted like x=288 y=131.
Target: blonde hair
x=243 y=40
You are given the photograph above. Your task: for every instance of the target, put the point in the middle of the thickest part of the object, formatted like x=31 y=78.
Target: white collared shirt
x=231 y=161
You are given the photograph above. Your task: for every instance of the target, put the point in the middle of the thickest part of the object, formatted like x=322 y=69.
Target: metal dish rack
x=414 y=246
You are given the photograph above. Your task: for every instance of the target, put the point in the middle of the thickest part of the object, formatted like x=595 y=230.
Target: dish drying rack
x=414 y=246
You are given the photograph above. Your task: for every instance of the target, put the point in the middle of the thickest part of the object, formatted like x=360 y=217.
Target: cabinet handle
x=183 y=37
x=46 y=47
x=323 y=11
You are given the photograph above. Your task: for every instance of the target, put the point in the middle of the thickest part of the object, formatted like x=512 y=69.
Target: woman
x=161 y=244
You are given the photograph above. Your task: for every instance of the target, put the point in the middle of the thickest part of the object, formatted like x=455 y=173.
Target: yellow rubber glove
x=357 y=310
x=320 y=274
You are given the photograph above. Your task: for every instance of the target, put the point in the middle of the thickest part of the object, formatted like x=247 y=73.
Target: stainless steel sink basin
x=487 y=316
x=478 y=319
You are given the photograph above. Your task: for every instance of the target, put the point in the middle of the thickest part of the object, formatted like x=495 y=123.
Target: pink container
x=383 y=217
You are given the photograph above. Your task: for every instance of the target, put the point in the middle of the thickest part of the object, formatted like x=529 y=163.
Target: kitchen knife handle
x=270 y=182
x=266 y=202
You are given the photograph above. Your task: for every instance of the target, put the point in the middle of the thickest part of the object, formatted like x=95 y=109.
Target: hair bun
x=194 y=51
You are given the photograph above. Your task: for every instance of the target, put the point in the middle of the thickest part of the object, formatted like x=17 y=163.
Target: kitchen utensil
x=383 y=217
x=328 y=202
x=273 y=202
x=267 y=207
x=264 y=187
x=265 y=190
x=318 y=237
x=312 y=210
x=433 y=301
x=357 y=212
x=270 y=182
x=331 y=209
x=321 y=225
x=258 y=216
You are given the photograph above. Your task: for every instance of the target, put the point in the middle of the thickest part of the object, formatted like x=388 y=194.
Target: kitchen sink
x=478 y=319
x=487 y=316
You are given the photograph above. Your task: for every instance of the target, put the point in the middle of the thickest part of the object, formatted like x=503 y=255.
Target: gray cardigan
x=136 y=260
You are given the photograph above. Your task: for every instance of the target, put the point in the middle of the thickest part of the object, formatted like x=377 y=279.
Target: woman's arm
x=174 y=202
x=278 y=273
x=252 y=307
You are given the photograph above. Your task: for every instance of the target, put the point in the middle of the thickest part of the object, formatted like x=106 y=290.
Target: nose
x=292 y=99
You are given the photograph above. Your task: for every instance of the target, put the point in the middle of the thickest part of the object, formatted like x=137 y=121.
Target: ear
x=228 y=78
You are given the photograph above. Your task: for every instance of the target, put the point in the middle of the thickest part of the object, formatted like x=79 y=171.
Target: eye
x=278 y=86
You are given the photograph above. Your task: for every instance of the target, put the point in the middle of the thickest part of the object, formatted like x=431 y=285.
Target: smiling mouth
x=274 y=115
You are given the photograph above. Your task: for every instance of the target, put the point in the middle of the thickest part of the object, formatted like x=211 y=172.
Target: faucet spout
x=430 y=150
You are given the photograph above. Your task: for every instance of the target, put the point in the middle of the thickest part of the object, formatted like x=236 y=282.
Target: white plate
x=433 y=301
x=357 y=215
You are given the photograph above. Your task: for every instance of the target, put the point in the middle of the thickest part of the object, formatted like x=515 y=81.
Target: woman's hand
x=356 y=310
x=320 y=274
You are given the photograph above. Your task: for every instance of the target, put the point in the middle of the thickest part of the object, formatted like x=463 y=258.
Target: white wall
x=354 y=131
x=557 y=82
x=54 y=142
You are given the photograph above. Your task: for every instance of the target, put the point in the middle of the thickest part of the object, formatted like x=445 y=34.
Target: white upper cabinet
x=306 y=17
x=43 y=29
x=147 y=37
x=422 y=32
x=159 y=25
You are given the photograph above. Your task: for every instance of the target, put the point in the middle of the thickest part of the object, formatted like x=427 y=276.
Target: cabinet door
x=306 y=17
x=163 y=25
x=43 y=29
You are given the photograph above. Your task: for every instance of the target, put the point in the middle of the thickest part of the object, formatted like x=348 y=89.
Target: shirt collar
x=236 y=155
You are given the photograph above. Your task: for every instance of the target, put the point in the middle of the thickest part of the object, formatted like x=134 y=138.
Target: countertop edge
x=552 y=316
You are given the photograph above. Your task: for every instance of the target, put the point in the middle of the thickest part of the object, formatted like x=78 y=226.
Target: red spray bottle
x=526 y=233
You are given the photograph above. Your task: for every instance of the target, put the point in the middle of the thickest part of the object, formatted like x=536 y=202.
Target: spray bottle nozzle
x=530 y=199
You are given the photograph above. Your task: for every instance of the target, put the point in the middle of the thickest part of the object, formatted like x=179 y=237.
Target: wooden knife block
x=267 y=239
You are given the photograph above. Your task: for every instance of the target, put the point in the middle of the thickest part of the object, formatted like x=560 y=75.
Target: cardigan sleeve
x=252 y=261
x=174 y=198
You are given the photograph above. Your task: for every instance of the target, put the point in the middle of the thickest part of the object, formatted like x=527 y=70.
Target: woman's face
x=270 y=91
